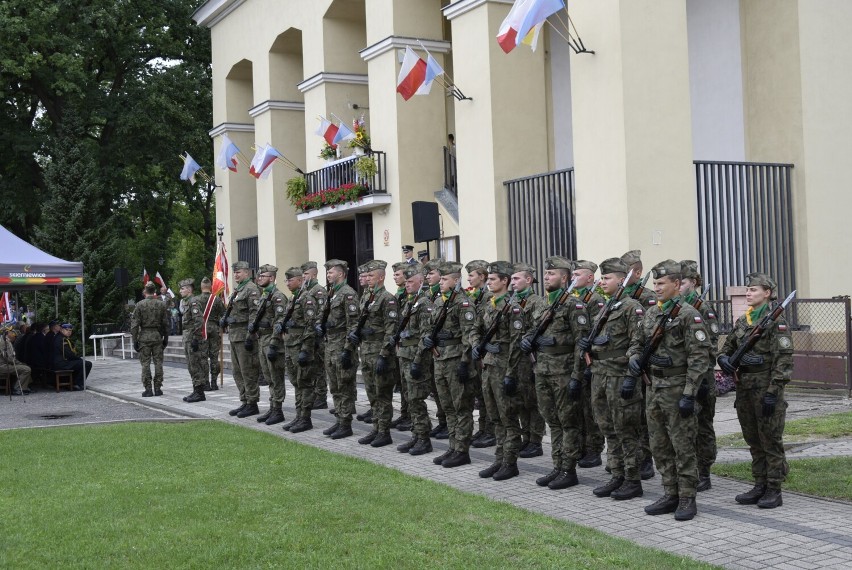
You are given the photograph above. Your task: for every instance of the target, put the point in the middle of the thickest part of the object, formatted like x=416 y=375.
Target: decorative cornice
x=270 y=105
x=396 y=42
x=223 y=128
x=214 y=11
x=456 y=9
x=326 y=77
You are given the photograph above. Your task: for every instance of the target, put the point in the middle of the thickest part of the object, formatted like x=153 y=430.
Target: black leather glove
x=165 y=341
x=628 y=387
x=475 y=354
x=346 y=359
x=223 y=322
x=304 y=358
x=272 y=353
x=252 y=328
x=194 y=345
x=686 y=405
x=769 y=402
x=278 y=328
x=703 y=391
x=527 y=345
x=416 y=371
x=725 y=364
x=463 y=372
x=381 y=365
x=136 y=346
x=319 y=330
x=249 y=344
x=585 y=344
x=633 y=367
x=575 y=389
x=353 y=338
x=428 y=343
x=587 y=375
x=510 y=386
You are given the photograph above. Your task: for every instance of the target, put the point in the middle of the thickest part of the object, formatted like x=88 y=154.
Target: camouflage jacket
x=609 y=349
x=499 y=350
x=343 y=313
x=557 y=351
x=708 y=313
x=216 y=311
x=273 y=313
x=298 y=329
x=646 y=299
x=192 y=316
x=150 y=320
x=595 y=304
x=382 y=321
x=773 y=355
x=418 y=325
x=520 y=366
x=243 y=310
x=454 y=336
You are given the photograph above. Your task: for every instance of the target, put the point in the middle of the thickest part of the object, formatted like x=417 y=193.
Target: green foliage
x=296 y=188
x=805 y=429
x=366 y=168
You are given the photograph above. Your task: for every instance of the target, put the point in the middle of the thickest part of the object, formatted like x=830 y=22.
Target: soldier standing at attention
x=243 y=357
x=499 y=386
x=194 y=346
x=433 y=281
x=675 y=370
x=705 y=441
x=452 y=366
x=273 y=303
x=149 y=326
x=761 y=408
x=363 y=299
x=341 y=359
x=479 y=295
x=377 y=357
x=297 y=326
x=214 y=335
x=317 y=372
x=403 y=422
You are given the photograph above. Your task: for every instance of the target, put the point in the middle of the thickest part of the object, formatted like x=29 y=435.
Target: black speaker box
x=122 y=277
x=426 y=224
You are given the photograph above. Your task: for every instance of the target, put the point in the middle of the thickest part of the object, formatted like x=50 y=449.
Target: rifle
x=641 y=288
x=588 y=295
x=292 y=307
x=326 y=311
x=549 y=315
x=492 y=330
x=230 y=306
x=365 y=314
x=442 y=318
x=603 y=316
x=757 y=333
x=403 y=324
x=261 y=310
x=656 y=339
x=700 y=301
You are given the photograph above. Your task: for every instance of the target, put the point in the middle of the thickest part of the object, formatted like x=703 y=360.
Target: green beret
x=240 y=265
x=667 y=268
x=308 y=265
x=450 y=267
x=613 y=265
x=631 y=257
x=500 y=267
x=337 y=263
x=412 y=269
x=293 y=272
x=401 y=265
x=266 y=268
x=476 y=265
x=761 y=280
x=558 y=262
x=376 y=265
x=583 y=264
x=689 y=268
x=187 y=282
x=433 y=264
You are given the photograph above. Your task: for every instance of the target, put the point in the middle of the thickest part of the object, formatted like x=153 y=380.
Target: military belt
x=754 y=369
x=409 y=342
x=264 y=325
x=371 y=336
x=230 y=322
x=668 y=372
x=295 y=330
x=449 y=342
x=335 y=330
x=609 y=354
x=557 y=349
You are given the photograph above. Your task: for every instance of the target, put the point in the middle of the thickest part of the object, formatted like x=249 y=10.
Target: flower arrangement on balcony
x=345 y=193
x=329 y=151
x=362 y=137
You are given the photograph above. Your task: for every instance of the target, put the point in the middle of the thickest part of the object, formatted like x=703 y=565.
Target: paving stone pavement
x=806 y=532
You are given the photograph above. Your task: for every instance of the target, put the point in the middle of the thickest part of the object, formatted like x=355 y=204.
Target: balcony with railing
x=355 y=184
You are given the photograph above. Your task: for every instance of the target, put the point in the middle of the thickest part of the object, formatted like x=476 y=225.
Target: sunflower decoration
x=362 y=137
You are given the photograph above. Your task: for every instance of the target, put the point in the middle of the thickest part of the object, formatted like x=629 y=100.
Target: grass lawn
x=830 y=477
x=212 y=495
x=806 y=429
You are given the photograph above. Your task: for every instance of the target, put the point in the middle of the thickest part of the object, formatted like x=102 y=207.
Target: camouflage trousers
x=319 y=377
x=379 y=386
x=644 y=435
x=214 y=344
x=457 y=402
x=563 y=416
x=196 y=361
x=151 y=351
x=483 y=423
x=418 y=391
x=593 y=439
x=274 y=372
x=341 y=383
x=705 y=440
x=532 y=422
x=245 y=369
x=764 y=436
x=619 y=420
x=433 y=390
x=503 y=412
x=401 y=384
x=672 y=440
x=302 y=379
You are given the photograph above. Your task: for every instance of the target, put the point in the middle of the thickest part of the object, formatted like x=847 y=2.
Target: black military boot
x=545 y=481
x=147 y=393
x=487 y=440
x=646 y=469
x=236 y=411
x=381 y=440
x=591 y=459
x=341 y=432
x=532 y=450
x=249 y=410
x=442 y=432
x=263 y=417
x=206 y=386
x=276 y=416
x=319 y=404
x=369 y=437
x=423 y=446
x=196 y=396
x=213 y=385
x=753 y=496
x=407 y=446
x=404 y=424
x=491 y=469
x=687 y=508
x=457 y=459
x=663 y=506
x=629 y=490
x=395 y=422
x=440 y=459
x=291 y=423
x=770 y=499
x=366 y=417
x=607 y=488
x=328 y=430
x=304 y=424
x=703 y=479
x=564 y=480
x=507 y=471
x=158 y=391
x=477 y=435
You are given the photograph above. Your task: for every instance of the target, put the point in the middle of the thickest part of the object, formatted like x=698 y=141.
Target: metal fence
x=541 y=217
x=248 y=251
x=745 y=223
x=343 y=172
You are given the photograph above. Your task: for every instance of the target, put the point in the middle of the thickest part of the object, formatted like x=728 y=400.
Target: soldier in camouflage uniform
x=633 y=260
x=557 y=372
x=317 y=372
x=149 y=326
x=433 y=280
x=244 y=361
x=675 y=370
x=479 y=295
x=363 y=298
x=532 y=423
x=214 y=335
x=338 y=318
x=616 y=399
x=194 y=344
x=499 y=384
x=705 y=441
x=762 y=375
x=403 y=422
x=452 y=364
x=593 y=439
x=418 y=310
x=271 y=310
x=297 y=326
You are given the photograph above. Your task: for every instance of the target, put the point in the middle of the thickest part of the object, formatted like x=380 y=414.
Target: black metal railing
x=541 y=217
x=450 y=172
x=249 y=251
x=344 y=172
x=745 y=223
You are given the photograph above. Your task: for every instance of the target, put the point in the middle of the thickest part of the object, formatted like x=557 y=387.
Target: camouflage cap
x=337 y=263
x=631 y=257
x=187 y=282
x=401 y=265
x=613 y=265
x=206 y=281
x=412 y=269
x=689 y=268
x=433 y=264
x=293 y=272
x=376 y=265
x=667 y=268
x=476 y=265
x=525 y=267
x=500 y=267
x=583 y=264
x=150 y=287
x=558 y=262
x=758 y=279
x=240 y=265
x=308 y=265
x=266 y=268
x=362 y=269
x=450 y=267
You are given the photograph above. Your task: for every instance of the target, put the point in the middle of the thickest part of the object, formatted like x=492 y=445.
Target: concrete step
x=173 y=352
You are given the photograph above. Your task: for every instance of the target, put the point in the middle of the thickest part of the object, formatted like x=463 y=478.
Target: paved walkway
x=805 y=533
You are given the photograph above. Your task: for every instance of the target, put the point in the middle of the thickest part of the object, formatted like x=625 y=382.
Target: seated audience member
x=65 y=356
x=9 y=364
